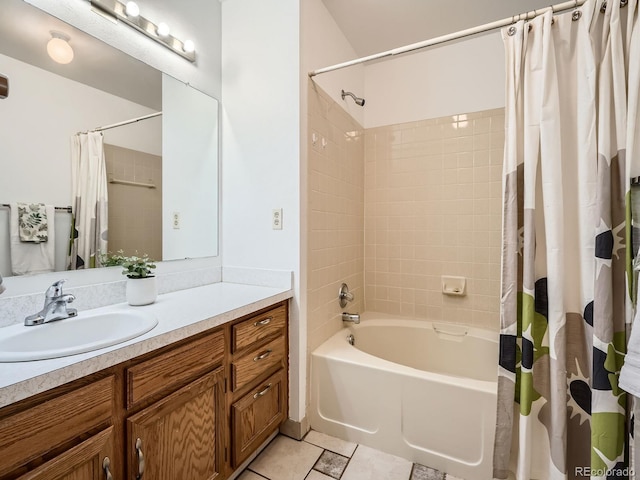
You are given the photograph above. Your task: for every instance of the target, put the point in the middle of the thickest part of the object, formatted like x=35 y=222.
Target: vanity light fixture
x=189 y=46
x=129 y=14
x=163 y=30
x=132 y=10
x=59 y=49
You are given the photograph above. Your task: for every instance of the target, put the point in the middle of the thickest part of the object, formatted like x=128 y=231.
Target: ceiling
x=373 y=26
x=95 y=63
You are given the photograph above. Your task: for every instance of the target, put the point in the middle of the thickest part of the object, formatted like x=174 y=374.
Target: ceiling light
x=132 y=9
x=163 y=29
x=59 y=49
x=189 y=46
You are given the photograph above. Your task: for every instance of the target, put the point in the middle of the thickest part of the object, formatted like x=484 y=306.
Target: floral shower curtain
x=565 y=295
x=89 y=183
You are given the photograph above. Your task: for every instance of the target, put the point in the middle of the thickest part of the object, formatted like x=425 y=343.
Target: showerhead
x=358 y=100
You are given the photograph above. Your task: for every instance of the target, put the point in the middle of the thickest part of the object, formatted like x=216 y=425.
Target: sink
x=84 y=333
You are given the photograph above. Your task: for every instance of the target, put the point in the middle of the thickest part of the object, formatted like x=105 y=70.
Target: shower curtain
x=565 y=294
x=89 y=184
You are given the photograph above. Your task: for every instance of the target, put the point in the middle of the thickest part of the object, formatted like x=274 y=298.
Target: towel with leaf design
x=32 y=222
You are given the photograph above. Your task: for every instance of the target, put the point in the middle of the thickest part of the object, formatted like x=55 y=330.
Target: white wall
x=261 y=149
x=324 y=44
x=198 y=20
x=465 y=76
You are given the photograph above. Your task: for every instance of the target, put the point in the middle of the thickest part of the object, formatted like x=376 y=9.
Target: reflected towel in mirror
x=29 y=257
x=32 y=222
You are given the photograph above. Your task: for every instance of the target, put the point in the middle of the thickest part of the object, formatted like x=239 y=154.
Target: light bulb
x=132 y=9
x=163 y=29
x=59 y=49
x=188 y=46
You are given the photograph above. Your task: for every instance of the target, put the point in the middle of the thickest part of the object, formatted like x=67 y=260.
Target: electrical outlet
x=276 y=219
x=176 y=220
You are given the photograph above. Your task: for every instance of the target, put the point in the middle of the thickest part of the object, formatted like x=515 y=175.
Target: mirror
x=162 y=171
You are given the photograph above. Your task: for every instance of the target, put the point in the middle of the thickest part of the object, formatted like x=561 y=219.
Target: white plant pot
x=141 y=291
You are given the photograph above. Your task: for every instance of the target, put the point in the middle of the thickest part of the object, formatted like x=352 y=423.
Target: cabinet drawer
x=259 y=327
x=32 y=433
x=174 y=368
x=257 y=362
x=256 y=415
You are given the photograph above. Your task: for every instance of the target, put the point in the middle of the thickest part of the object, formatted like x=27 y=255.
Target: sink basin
x=84 y=333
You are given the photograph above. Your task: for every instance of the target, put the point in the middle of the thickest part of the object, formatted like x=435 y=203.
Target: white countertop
x=180 y=314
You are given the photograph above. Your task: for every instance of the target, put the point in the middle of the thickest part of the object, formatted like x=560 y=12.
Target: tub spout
x=351 y=317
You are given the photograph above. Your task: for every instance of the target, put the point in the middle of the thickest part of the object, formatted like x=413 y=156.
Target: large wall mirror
x=162 y=169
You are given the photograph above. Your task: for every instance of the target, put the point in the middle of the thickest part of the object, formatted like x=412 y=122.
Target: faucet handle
x=344 y=295
x=55 y=290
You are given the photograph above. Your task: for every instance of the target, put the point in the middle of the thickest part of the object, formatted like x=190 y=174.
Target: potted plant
x=142 y=288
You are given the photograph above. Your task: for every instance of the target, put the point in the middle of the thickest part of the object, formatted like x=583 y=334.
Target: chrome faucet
x=351 y=317
x=55 y=306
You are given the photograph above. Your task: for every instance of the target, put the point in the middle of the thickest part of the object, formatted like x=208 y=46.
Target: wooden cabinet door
x=90 y=460
x=181 y=436
x=257 y=415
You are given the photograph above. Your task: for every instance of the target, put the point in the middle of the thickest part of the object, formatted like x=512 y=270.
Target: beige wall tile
x=433 y=204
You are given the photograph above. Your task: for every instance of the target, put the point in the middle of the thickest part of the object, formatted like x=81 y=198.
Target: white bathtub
x=421 y=390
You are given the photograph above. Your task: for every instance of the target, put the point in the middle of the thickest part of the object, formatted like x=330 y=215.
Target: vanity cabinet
x=68 y=436
x=192 y=410
x=258 y=396
x=90 y=460
x=181 y=435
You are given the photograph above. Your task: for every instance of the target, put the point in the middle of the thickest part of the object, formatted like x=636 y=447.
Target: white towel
x=26 y=257
x=630 y=374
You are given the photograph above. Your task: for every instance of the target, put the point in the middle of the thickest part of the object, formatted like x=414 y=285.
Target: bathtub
x=421 y=390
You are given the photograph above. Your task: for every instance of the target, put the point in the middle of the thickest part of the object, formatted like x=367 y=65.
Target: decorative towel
x=30 y=257
x=32 y=222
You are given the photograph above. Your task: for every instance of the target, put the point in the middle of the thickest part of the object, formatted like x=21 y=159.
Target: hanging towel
x=2 y=288
x=32 y=222
x=30 y=257
x=630 y=373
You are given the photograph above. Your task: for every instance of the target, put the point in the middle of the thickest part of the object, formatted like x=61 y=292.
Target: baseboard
x=295 y=430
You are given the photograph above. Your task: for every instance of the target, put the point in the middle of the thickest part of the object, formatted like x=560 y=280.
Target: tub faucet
x=55 y=306
x=351 y=317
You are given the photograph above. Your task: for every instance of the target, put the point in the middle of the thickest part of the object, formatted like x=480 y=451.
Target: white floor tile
x=286 y=459
x=330 y=443
x=370 y=464
x=315 y=475
x=247 y=475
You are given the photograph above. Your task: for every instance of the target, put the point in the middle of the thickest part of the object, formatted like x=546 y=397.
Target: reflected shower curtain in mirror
x=561 y=414
x=89 y=185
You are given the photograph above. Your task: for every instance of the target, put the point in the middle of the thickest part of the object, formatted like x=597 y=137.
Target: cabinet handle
x=106 y=463
x=263 y=391
x=140 y=459
x=263 y=355
x=261 y=323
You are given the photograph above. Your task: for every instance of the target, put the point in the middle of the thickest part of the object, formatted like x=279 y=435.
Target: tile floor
x=321 y=457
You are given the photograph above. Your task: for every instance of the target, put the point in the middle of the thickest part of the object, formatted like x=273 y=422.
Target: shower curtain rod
x=451 y=36
x=125 y=122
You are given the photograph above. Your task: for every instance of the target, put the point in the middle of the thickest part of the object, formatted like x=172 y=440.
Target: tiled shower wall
x=433 y=208
x=135 y=213
x=335 y=215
